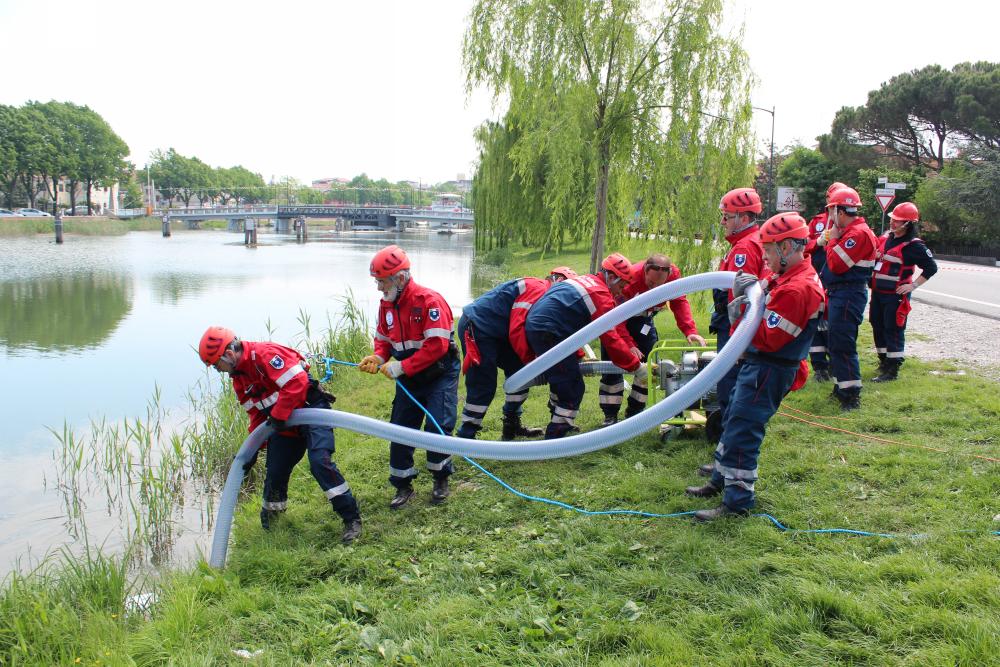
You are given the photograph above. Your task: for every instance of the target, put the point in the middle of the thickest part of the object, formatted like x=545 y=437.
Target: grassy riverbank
x=83 y=225
x=491 y=579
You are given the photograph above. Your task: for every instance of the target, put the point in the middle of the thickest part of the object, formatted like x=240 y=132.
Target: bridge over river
x=360 y=217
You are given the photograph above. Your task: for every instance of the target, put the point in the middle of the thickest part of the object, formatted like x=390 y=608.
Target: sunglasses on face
x=657 y=267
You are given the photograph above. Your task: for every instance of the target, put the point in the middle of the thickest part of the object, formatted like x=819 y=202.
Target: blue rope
x=654 y=515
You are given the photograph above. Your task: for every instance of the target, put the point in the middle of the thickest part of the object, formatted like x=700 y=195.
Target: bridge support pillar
x=166 y=226
x=301 y=231
x=249 y=232
x=281 y=225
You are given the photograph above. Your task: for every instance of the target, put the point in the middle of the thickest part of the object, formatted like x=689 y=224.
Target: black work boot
x=881 y=362
x=822 y=375
x=706 y=470
x=512 y=428
x=634 y=407
x=609 y=420
x=352 y=531
x=268 y=518
x=849 y=402
x=403 y=496
x=889 y=371
x=707 y=491
x=440 y=492
x=719 y=512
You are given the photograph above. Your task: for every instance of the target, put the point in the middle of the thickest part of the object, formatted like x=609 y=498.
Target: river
x=93 y=328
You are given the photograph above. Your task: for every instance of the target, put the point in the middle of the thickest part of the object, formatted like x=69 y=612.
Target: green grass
x=488 y=579
x=71 y=225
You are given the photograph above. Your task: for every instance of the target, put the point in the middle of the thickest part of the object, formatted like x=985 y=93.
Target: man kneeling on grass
x=772 y=365
x=271 y=381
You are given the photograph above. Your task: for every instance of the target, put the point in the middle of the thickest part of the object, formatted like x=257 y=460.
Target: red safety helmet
x=389 y=261
x=784 y=226
x=741 y=200
x=846 y=197
x=907 y=212
x=619 y=265
x=563 y=271
x=836 y=185
x=213 y=344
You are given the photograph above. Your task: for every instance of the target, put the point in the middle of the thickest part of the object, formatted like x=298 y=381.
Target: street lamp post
x=771 y=205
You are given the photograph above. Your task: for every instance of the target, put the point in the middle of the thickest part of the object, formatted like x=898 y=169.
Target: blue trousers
x=725 y=386
x=758 y=392
x=612 y=387
x=890 y=339
x=481 y=379
x=819 y=356
x=285 y=451
x=440 y=397
x=565 y=384
x=846 y=312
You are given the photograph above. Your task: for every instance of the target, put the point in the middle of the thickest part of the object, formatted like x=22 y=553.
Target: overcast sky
x=335 y=88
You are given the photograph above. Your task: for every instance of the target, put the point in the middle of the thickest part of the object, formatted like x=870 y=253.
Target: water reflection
x=59 y=313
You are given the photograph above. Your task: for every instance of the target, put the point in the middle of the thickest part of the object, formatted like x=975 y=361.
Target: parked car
x=32 y=213
x=80 y=210
x=7 y=213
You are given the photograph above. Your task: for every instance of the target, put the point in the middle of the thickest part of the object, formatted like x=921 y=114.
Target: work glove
x=824 y=237
x=392 y=369
x=735 y=308
x=277 y=424
x=370 y=364
x=742 y=282
x=641 y=375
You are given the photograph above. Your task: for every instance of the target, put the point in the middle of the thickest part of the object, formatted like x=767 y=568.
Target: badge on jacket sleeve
x=277 y=362
x=772 y=320
x=850 y=243
x=388 y=318
x=739 y=260
x=434 y=314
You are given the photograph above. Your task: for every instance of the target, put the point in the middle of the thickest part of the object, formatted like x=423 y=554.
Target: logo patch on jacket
x=434 y=314
x=850 y=243
x=820 y=226
x=388 y=318
x=773 y=320
x=739 y=260
x=277 y=362
x=929 y=252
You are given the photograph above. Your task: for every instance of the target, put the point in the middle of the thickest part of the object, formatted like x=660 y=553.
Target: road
x=970 y=288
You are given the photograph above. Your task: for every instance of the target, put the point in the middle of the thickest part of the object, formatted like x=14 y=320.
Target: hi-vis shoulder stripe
x=288 y=375
x=584 y=295
x=520 y=286
x=783 y=323
x=437 y=333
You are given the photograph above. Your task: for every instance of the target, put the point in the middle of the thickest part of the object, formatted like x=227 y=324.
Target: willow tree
x=645 y=107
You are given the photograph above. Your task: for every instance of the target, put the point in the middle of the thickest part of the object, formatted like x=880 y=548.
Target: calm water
x=89 y=329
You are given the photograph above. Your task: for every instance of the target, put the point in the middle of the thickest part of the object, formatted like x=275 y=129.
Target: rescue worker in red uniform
x=850 y=257
x=564 y=309
x=642 y=335
x=413 y=344
x=271 y=381
x=899 y=251
x=484 y=333
x=819 y=356
x=792 y=309
x=740 y=208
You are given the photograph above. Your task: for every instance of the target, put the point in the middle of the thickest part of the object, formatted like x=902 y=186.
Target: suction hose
x=522 y=451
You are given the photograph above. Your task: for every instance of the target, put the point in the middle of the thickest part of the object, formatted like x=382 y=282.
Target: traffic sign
x=896 y=186
x=884 y=201
x=884 y=191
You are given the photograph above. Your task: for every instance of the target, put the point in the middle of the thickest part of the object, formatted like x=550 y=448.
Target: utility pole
x=771 y=207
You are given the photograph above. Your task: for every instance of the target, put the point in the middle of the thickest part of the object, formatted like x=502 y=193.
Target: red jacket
x=817 y=225
x=794 y=298
x=416 y=328
x=679 y=306
x=270 y=376
x=851 y=256
x=746 y=253
x=534 y=288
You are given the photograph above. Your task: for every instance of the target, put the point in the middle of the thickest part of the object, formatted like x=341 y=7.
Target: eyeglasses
x=657 y=267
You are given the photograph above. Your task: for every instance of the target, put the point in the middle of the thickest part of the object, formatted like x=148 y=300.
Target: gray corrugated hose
x=523 y=451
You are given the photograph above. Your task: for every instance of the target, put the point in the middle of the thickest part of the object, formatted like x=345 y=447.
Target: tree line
x=43 y=143
x=937 y=130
